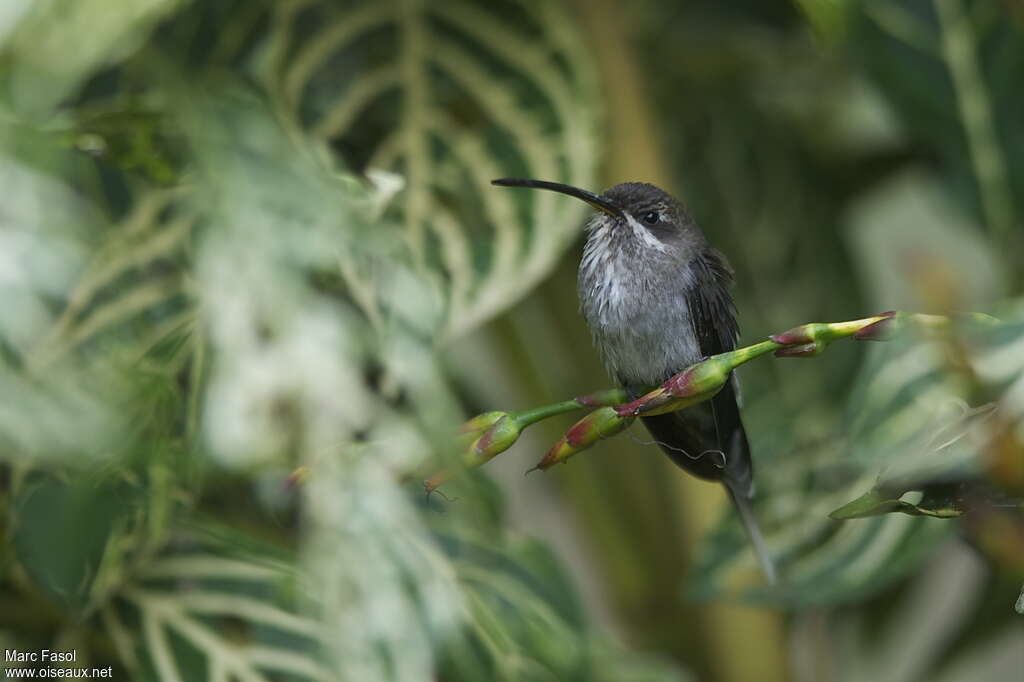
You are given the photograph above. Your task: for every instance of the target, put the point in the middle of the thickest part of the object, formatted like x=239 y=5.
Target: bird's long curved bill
x=599 y=202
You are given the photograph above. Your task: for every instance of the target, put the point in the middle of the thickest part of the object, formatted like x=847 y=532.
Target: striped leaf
x=449 y=96
x=919 y=441
x=204 y=612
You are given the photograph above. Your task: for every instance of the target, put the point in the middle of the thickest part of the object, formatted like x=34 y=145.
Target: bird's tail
x=742 y=504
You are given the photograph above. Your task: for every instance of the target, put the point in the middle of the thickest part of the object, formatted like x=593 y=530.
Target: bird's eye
x=651 y=217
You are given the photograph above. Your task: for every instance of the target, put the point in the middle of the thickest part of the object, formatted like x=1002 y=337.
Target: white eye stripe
x=644 y=234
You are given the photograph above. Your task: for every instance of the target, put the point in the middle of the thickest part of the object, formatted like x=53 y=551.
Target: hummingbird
x=655 y=296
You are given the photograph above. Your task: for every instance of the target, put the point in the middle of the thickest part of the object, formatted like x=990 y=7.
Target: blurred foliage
x=240 y=238
x=235 y=233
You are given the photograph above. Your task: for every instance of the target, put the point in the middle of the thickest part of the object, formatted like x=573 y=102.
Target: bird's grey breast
x=634 y=297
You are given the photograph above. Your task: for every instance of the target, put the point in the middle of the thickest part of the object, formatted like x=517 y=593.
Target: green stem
x=613 y=396
x=701 y=381
x=495 y=432
x=748 y=353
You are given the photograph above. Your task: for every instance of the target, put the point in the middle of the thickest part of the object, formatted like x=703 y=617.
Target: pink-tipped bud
x=882 y=330
x=682 y=384
x=645 y=403
x=596 y=426
x=481 y=422
x=802 y=335
x=806 y=350
x=497 y=432
x=692 y=385
x=495 y=440
x=703 y=379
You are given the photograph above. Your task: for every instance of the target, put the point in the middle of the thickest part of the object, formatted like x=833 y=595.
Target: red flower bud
x=597 y=425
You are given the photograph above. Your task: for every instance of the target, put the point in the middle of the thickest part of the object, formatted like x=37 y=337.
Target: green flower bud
x=596 y=426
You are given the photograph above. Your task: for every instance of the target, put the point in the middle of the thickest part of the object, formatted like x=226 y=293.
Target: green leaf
x=945 y=66
x=128 y=135
x=62 y=531
x=870 y=503
x=820 y=560
x=875 y=502
x=46 y=235
x=451 y=96
x=526 y=621
x=94 y=31
x=135 y=269
x=203 y=611
x=917 y=438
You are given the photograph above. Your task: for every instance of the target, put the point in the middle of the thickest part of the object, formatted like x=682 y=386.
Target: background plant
x=239 y=238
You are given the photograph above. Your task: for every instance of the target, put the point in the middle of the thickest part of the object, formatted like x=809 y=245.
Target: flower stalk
x=492 y=433
x=489 y=434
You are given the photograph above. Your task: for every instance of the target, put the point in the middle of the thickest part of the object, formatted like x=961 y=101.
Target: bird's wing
x=714 y=322
x=712 y=312
x=708 y=439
